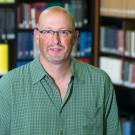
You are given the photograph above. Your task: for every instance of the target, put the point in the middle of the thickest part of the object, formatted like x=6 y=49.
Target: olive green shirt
x=30 y=102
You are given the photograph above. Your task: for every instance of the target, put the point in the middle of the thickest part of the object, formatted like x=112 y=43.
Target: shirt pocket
x=91 y=122
x=87 y=128
x=90 y=127
x=95 y=123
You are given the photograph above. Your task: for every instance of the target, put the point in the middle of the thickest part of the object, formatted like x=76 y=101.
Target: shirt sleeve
x=111 y=118
x=4 y=107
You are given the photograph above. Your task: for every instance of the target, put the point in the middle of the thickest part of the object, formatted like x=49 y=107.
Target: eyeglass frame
x=52 y=32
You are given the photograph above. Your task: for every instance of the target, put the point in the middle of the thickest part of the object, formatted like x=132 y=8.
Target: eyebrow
x=62 y=28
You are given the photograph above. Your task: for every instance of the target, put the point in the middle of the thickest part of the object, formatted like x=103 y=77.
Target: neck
x=57 y=71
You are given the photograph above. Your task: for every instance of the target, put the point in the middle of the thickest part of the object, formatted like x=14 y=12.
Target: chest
x=40 y=110
x=63 y=87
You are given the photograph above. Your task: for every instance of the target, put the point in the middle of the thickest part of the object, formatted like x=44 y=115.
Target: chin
x=58 y=61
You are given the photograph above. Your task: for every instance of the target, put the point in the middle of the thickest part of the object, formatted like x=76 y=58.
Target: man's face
x=57 y=37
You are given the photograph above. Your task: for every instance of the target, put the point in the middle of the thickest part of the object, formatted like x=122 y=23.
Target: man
x=56 y=94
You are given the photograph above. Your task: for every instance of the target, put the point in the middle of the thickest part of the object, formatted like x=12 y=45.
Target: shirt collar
x=77 y=70
x=38 y=72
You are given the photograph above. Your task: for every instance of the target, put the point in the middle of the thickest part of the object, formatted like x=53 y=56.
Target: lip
x=55 y=49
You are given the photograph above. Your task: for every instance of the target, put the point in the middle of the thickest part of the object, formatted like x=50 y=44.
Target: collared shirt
x=30 y=102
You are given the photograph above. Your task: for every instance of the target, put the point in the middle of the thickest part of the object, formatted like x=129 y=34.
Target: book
x=54 y=3
x=10 y=1
x=126 y=128
x=104 y=7
x=85 y=44
x=132 y=44
x=7 y=24
x=10 y=27
x=2 y=24
x=112 y=40
x=83 y=59
x=4 y=60
x=133 y=74
x=131 y=9
x=118 y=8
x=25 y=45
x=39 y=7
x=7 y=1
x=115 y=8
x=21 y=63
x=113 y=67
x=2 y=1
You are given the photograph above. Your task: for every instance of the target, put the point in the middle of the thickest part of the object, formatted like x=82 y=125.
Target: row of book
x=128 y=74
x=27 y=48
x=6 y=1
x=114 y=40
x=118 y=8
x=4 y=58
x=7 y=23
x=84 y=46
x=121 y=71
x=21 y=63
x=127 y=126
x=27 y=14
x=24 y=45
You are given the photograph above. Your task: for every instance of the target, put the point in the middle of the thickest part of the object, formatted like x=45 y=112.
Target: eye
x=64 y=32
x=47 y=32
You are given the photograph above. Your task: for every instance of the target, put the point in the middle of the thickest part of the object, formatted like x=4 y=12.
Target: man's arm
x=5 y=106
x=111 y=118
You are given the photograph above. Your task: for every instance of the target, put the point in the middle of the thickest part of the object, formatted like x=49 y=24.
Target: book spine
x=4 y=58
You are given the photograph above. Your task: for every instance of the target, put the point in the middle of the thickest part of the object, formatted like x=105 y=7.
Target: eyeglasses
x=50 y=33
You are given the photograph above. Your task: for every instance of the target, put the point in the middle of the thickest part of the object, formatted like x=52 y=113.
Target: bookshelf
x=23 y=21
x=7 y=35
x=83 y=11
x=117 y=51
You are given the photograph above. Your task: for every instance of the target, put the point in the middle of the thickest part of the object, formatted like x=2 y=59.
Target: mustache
x=56 y=45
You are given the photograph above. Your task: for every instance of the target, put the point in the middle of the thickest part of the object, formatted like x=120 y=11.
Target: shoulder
x=93 y=76
x=15 y=75
x=96 y=82
x=17 y=72
x=89 y=70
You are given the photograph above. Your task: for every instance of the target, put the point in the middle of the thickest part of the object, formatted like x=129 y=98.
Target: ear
x=36 y=37
x=76 y=35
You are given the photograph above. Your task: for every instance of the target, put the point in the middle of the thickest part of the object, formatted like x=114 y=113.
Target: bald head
x=56 y=13
x=55 y=9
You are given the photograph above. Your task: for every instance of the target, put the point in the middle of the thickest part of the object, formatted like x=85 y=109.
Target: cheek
x=43 y=43
x=67 y=42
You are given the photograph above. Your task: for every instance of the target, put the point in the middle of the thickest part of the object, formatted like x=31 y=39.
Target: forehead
x=55 y=19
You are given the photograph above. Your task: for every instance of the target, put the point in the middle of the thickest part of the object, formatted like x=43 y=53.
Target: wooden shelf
x=126 y=100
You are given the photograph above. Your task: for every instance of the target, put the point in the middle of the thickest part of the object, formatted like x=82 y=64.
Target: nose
x=56 y=37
